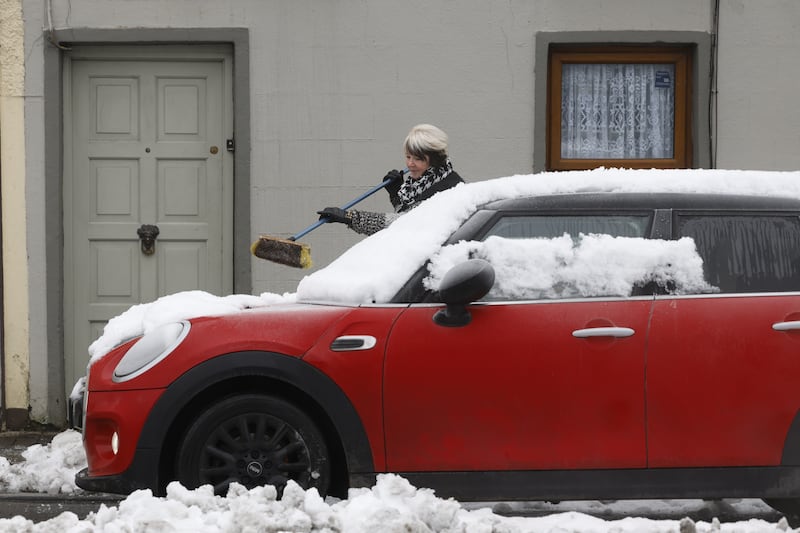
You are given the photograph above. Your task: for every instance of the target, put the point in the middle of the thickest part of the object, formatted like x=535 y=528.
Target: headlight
x=150 y=350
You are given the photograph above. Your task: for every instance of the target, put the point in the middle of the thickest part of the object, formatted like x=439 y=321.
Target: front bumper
x=142 y=474
x=111 y=422
x=111 y=484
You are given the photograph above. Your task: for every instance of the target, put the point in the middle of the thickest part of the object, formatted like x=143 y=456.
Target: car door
x=525 y=385
x=722 y=374
x=722 y=369
x=528 y=383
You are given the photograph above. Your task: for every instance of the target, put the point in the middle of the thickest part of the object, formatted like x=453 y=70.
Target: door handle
x=147 y=234
x=786 y=326
x=602 y=332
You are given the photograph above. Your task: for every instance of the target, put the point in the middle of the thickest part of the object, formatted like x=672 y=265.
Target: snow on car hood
x=377 y=267
x=145 y=317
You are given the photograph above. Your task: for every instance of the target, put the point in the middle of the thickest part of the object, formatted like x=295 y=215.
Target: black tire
x=253 y=440
x=790 y=507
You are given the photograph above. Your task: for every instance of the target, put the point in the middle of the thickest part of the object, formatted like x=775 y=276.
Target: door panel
x=114 y=270
x=181 y=266
x=515 y=389
x=721 y=382
x=146 y=146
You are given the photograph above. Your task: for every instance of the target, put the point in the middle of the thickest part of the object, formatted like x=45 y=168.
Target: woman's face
x=417 y=165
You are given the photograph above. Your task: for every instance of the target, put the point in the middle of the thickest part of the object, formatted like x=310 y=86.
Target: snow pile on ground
x=392 y=505
x=48 y=468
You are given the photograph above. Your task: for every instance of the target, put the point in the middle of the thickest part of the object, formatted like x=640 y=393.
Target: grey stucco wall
x=759 y=123
x=334 y=86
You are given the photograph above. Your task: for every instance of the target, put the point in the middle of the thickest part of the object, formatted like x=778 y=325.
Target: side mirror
x=462 y=285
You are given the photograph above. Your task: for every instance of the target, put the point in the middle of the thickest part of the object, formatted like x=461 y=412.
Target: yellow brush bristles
x=305 y=257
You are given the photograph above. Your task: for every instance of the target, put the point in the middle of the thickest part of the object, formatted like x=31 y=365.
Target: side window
x=555 y=226
x=746 y=253
x=549 y=226
x=538 y=257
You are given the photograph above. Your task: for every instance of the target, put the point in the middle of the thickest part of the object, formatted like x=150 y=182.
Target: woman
x=429 y=172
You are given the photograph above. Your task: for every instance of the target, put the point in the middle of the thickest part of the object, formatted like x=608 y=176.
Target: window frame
x=645 y=215
x=679 y=55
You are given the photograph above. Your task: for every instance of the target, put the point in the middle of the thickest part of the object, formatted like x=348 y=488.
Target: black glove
x=334 y=214
x=396 y=178
x=393 y=187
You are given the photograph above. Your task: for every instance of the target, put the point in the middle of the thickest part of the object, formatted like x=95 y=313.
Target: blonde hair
x=426 y=140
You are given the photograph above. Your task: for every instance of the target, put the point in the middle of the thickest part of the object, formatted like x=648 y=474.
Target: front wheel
x=253 y=439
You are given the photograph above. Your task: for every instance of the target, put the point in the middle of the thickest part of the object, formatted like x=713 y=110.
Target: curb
x=41 y=507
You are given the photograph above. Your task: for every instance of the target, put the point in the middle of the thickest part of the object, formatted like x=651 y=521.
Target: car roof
x=649 y=200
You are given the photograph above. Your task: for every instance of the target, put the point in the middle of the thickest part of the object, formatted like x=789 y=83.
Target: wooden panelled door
x=147 y=183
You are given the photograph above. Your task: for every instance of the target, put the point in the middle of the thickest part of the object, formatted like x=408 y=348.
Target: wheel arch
x=791 y=445
x=262 y=372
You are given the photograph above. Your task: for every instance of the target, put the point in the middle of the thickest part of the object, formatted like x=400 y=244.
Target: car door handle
x=786 y=326
x=602 y=332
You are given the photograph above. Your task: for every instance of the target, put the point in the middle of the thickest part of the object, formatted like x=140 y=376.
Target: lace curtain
x=617 y=111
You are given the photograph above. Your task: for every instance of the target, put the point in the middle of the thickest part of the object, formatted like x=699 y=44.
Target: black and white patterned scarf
x=411 y=189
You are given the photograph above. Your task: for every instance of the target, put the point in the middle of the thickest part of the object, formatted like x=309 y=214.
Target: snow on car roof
x=375 y=268
x=399 y=250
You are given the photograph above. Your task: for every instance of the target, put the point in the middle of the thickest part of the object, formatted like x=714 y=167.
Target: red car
x=636 y=337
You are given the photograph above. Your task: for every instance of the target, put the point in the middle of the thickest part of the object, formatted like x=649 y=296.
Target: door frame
x=53 y=386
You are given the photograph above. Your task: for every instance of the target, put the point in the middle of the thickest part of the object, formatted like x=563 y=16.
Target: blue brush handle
x=348 y=205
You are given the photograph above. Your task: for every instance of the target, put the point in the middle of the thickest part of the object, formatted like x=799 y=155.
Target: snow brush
x=291 y=253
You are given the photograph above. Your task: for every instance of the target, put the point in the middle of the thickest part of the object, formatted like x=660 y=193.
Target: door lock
x=147 y=234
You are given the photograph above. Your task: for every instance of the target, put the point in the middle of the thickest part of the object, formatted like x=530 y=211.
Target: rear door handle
x=602 y=332
x=786 y=326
